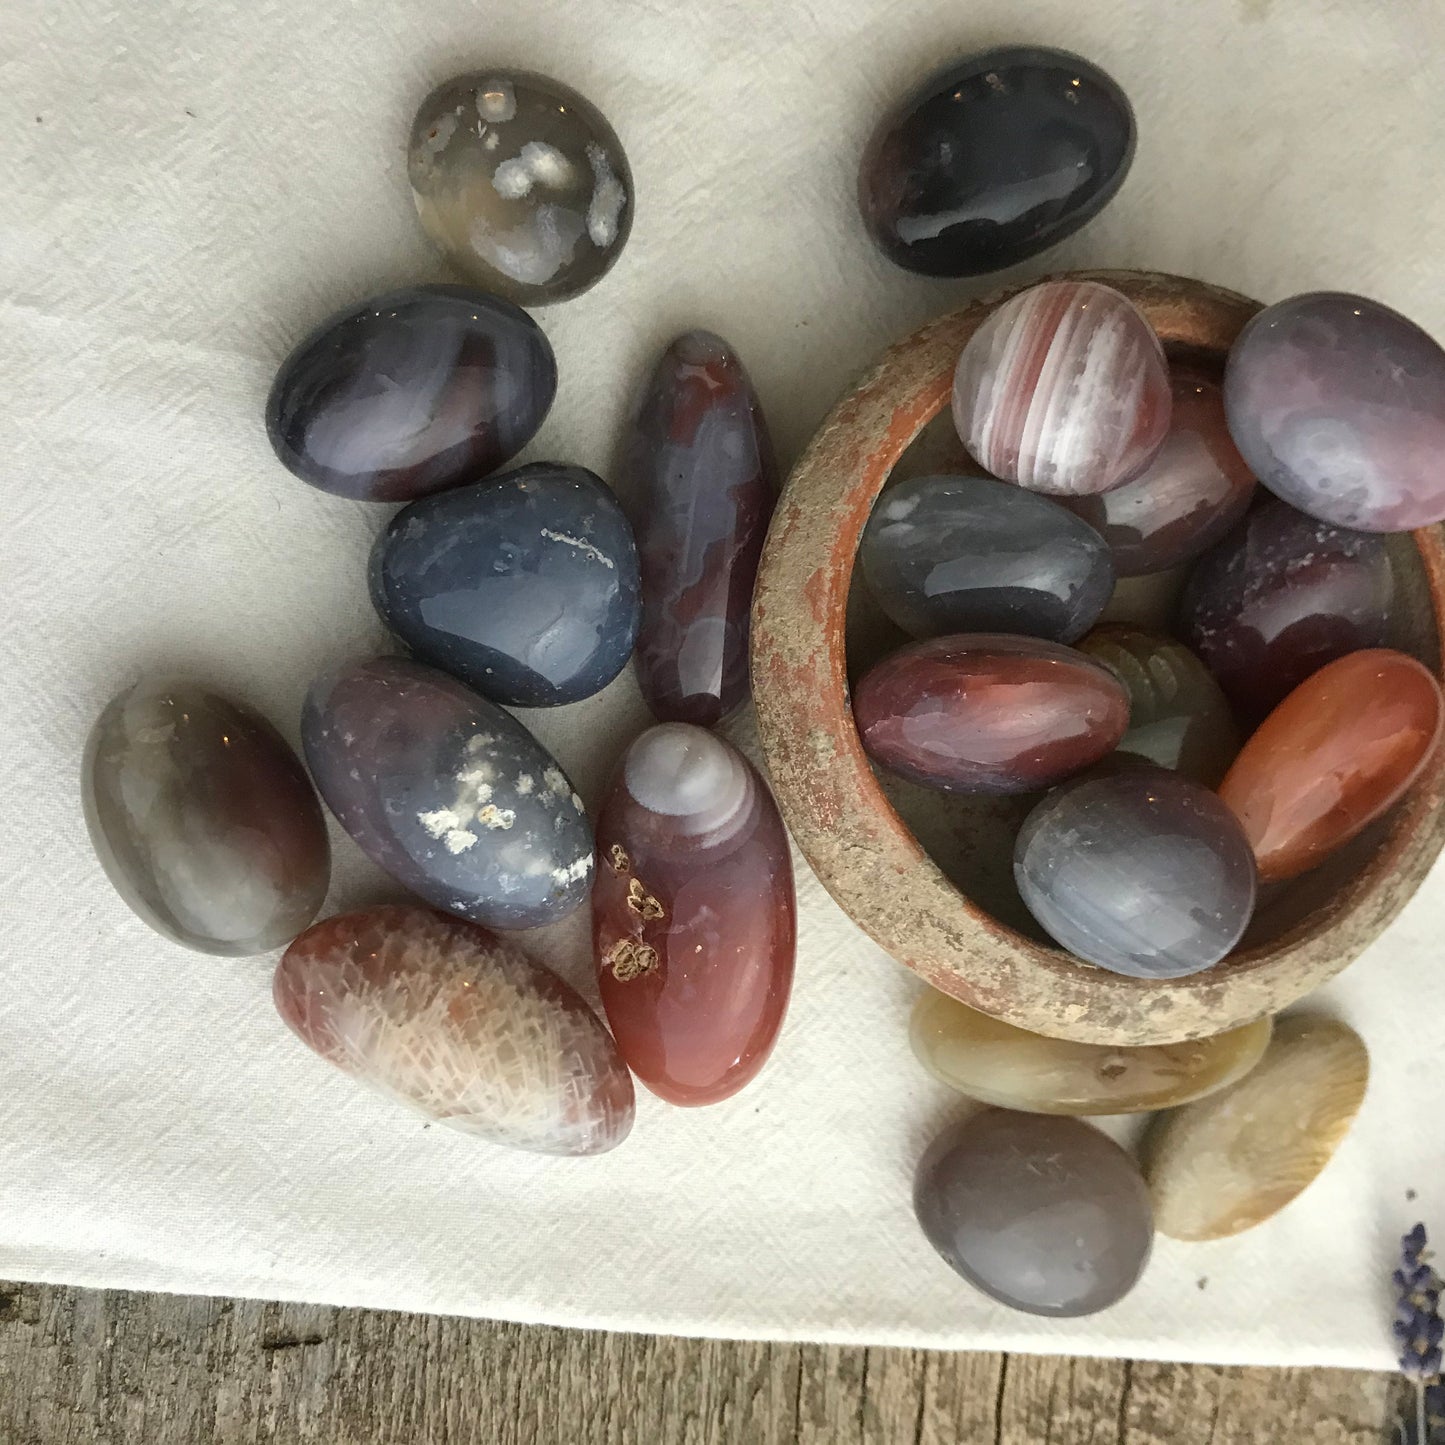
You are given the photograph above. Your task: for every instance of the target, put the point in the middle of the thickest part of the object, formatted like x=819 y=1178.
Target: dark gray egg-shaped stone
x=204 y=819
x=521 y=183
x=968 y=554
x=449 y=794
x=1139 y=871
x=410 y=393
x=1045 y=1214
x=994 y=159
x=525 y=586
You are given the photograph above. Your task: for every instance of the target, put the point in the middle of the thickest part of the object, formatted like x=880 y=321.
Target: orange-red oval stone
x=1336 y=753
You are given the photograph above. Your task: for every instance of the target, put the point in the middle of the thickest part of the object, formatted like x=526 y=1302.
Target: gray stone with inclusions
x=448 y=793
x=1043 y=1213
x=525 y=586
x=1138 y=871
x=948 y=554
x=204 y=819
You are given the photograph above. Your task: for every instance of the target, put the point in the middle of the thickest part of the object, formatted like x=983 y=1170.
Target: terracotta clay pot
x=947 y=912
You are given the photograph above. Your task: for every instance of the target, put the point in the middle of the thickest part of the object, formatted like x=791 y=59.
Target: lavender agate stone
x=994 y=159
x=203 y=819
x=1138 y=871
x=449 y=794
x=1043 y=1213
x=525 y=586
x=1338 y=404
x=968 y=554
x=1063 y=389
x=411 y=393
x=702 y=465
x=1279 y=598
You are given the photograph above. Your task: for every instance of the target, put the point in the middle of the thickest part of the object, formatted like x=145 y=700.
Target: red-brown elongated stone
x=447 y=1017
x=989 y=713
x=693 y=915
x=1339 y=751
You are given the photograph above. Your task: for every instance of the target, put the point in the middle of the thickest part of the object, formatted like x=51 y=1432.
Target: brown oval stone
x=1342 y=748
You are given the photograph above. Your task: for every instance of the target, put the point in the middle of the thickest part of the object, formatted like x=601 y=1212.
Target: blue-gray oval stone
x=410 y=393
x=946 y=554
x=446 y=792
x=525 y=586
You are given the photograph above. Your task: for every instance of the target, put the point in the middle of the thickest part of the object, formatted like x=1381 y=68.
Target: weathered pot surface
x=867 y=856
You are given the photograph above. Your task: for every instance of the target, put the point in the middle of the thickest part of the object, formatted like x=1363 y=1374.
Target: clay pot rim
x=862 y=851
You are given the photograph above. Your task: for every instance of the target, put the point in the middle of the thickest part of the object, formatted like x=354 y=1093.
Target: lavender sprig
x=1420 y=1330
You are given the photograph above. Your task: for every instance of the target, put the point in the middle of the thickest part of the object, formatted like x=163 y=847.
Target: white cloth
x=189 y=186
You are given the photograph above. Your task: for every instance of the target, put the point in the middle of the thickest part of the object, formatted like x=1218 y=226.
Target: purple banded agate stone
x=704 y=480
x=1338 y=404
x=1063 y=389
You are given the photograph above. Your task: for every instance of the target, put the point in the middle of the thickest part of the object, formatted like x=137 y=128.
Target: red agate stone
x=693 y=915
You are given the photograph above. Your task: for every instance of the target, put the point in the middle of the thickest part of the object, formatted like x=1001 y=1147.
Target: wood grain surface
x=83 y=1367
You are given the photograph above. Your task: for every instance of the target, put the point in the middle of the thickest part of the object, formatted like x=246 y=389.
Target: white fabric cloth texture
x=191 y=185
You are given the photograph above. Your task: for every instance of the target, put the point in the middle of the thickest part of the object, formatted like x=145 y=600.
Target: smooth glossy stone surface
x=1338 y=404
x=994 y=159
x=693 y=915
x=446 y=792
x=525 y=586
x=1047 y=1215
x=1340 y=750
x=1179 y=717
x=989 y=713
x=999 y=1064
x=1138 y=871
x=1063 y=389
x=448 y=1018
x=701 y=463
x=1187 y=498
x=1278 y=599
x=967 y=554
x=410 y=393
x=203 y=818
x=521 y=184
x=1229 y=1162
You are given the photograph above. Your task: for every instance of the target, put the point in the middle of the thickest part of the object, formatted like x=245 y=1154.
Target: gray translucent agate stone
x=521 y=183
x=1043 y=1213
x=203 y=819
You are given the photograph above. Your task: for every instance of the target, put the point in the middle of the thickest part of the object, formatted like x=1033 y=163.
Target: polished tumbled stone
x=1138 y=871
x=448 y=793
x=993 y=159
x=410 y=393
x=521 y=183
x=968 y=554
x=525 y=586
x=1044 y=1214
x=1064 y=389
x=1338 y=404
x=204 y=819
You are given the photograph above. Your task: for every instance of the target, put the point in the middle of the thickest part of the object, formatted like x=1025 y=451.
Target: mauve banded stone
x=1063 y=389
x=448 y=793
x=989 y=713
x=521 y=184
x=1279 y=598
x=525 y=586
x=446 y=1017
x=969 y=554
x=1139 y=871
x=1045 y=1214
x=204 y=819
x=693 y=915
x=702 y=471
x=1187 y=498
x=410 y=393
x=993 y=159
x=1338 y=404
